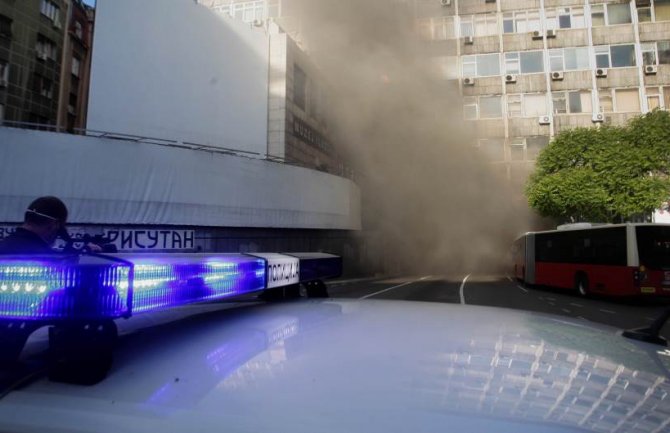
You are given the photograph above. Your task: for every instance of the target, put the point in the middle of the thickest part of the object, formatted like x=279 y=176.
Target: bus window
x=653 y=246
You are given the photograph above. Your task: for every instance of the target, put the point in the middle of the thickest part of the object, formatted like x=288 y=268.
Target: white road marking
x=519 y=286
x=580 y=317
x=551 y=303
x=551 y=299
x=651 y=319
x=576 y=305
x=394 y=287
x=462 y=287
x=566 y=311
x=510 y=279
x=607 y=311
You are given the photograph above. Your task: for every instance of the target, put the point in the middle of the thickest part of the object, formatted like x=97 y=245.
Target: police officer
x=43 y=221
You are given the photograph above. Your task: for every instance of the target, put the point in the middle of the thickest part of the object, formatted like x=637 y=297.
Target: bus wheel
x=582 y=284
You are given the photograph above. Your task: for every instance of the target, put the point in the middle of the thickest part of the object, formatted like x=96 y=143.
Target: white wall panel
x=106 y=181
x=177 y=70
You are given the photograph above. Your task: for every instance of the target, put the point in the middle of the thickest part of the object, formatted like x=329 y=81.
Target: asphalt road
x=506 y=293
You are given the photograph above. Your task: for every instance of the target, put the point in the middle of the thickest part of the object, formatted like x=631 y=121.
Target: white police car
x=350 y=366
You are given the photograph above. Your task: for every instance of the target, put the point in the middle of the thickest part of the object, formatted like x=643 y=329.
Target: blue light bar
x=163 y=281
x=115 y=286
x=50 y=289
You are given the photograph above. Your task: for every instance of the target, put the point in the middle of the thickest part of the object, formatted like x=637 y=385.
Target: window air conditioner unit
x=650 y=70
x=598 y=118
x=557 y=76
x=468 y=81
x=544 y=120
x=41 y=56
x=536 y=34
x=469 y=40
x=551 y=33
x=510 y=78
x=258 y=23
x=57 y=25
x=601 y=72
x=3 y=82
x=445 y=2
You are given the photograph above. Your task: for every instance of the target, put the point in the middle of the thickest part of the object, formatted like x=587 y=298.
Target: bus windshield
x=653 y=245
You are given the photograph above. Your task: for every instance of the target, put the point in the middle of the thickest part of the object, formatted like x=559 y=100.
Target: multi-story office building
x=43 y=43
x=529 y=69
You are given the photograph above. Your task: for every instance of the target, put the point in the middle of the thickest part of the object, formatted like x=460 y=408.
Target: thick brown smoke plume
x=431 y=202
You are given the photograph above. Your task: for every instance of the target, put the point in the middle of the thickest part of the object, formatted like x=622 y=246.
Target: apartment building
x=529 y=69
x=42 y=44
x=76 y=66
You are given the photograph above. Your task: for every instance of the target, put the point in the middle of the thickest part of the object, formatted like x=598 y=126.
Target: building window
x=517 y=148
x=644 y=13
x=493 y=148
x=566 y=18
x=648 y=53
x=442 y=28
x=78 y=30
x=483 y=65
x=470 y=109
x=2 y=112
x=50 y=10
x=527 y=105
x=573 y=102
x=666 y=97
x=623 y=55
x=247 y=11
x=524 y=62
x=479 y=25
x=534 y=145
x=662 y=10
x=437 y=29
x=5 y=26
x=299 y=87
x=664 y=52
x=4 y=74
x=45 y=48
x=653 y=98
x=76 y=65
x=521 y=22
x=627 y=100
x=514 y=108
x=615 y=56
x=483 y=107
x=618 y=14
x=611 y=14
x=490 y=107
x=569 y=59
x=43 y=86
x=605 y=102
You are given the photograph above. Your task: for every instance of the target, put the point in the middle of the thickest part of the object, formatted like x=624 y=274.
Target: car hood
x=352 y=366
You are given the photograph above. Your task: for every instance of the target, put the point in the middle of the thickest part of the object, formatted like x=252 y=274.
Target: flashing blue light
x=163 y=282
x=50 y=289
x=53 y=289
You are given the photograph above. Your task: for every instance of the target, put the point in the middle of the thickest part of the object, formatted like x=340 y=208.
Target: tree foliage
x=608 y=174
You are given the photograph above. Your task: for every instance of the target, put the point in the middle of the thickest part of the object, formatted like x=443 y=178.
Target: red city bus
x=612 y=259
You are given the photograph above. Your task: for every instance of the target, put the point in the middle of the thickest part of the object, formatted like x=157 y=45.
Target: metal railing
x=342 y=170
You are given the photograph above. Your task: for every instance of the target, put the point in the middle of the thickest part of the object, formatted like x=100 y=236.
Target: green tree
x=606 y=174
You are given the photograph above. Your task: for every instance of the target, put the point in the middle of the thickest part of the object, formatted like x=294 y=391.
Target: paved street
x=503 y=292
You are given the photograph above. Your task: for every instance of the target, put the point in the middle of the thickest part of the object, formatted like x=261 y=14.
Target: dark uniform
x=24 y=241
